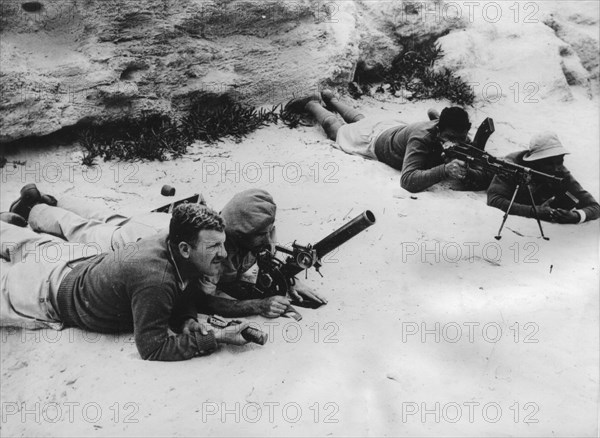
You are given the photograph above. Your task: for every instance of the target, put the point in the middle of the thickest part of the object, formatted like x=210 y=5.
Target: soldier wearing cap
x=567 y=204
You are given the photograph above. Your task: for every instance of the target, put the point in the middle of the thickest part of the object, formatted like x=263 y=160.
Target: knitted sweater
x=501 y=191
x=390 y=145
x=416 y=150
x=135 y=291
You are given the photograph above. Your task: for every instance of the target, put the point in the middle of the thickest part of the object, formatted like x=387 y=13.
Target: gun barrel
x=498 y=166
x=545 y=176
x=345 y=233
x=522 y=171
x=332 y=241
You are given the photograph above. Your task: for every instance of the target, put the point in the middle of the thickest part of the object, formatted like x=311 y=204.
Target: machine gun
x=277 y=277
x=477 y=158
x=480 y=159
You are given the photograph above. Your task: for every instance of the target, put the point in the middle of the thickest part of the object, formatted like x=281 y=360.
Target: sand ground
x=432 y=328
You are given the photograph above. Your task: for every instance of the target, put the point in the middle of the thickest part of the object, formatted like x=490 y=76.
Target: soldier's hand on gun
x=191 y=325
x=301 y=291
x=545 y=212
x=456 y=169
x=273 y=307
x=231 y=334
x=563 y=216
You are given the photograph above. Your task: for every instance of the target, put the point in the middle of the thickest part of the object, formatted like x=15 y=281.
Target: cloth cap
x=249 y=213
x=544 y=145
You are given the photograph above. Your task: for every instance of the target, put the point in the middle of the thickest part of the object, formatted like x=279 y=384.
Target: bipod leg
x=512 y=201
x=537 y=218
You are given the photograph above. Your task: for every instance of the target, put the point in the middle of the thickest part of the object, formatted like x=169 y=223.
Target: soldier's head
x=197 y=235
x=250 y=217
x=453 y=125
x=546 y=153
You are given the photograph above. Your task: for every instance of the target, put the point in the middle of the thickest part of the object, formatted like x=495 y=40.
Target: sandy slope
x=362 y=365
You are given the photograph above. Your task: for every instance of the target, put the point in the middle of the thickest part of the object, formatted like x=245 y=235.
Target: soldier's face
x=453 y=136
x=551 y=165
x=258 y=241
x=207 y=255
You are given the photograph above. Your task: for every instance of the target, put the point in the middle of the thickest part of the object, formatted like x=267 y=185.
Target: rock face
x=68 y=61
x=579 y=32
x=65 y=61
x=526 y=53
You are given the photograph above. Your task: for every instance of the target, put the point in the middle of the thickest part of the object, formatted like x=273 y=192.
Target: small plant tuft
x=4 y=161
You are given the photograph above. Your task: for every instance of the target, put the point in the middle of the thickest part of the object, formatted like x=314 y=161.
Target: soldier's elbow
x=408 y=185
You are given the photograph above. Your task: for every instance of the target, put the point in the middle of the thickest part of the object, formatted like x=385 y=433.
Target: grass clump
x=151 y=137
x=412 y=72
x=228 y=119
x=162 y=137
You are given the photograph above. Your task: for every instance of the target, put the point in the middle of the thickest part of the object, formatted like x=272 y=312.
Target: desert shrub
x=227 y=119
x=412 y=70
x=161 y=137
x=151 y=137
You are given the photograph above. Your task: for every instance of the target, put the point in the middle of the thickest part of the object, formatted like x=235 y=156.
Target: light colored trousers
x=77 y=220
x=32 y=266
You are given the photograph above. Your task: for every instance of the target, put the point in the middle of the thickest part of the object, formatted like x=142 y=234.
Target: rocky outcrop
x=581 y=47
x=524 y=55
x=66 y=61
x=70 y=61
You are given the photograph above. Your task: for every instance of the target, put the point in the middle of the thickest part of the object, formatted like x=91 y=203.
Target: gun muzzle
x=345 y=233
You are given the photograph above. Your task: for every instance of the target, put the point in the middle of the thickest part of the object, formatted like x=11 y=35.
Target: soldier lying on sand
x=415 y=148
x=49 y=282
x=249 y=226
